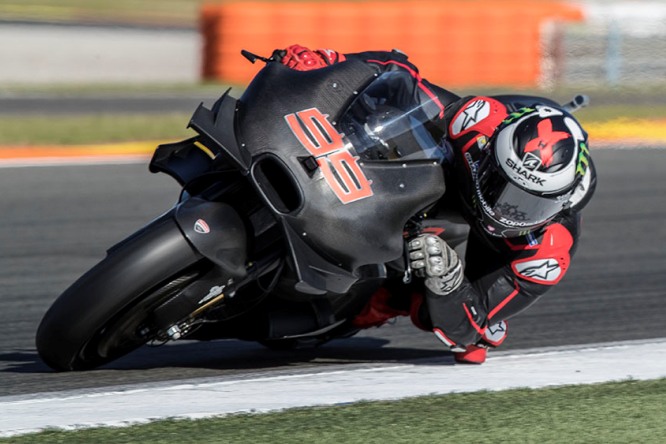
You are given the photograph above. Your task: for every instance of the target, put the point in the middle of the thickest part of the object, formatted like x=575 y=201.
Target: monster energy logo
x=518 y=114
x=583 y=162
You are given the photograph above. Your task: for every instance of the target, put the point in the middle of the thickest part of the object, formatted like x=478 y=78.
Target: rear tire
x=103 y=315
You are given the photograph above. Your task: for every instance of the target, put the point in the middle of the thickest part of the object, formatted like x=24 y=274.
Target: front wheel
x=106 y=313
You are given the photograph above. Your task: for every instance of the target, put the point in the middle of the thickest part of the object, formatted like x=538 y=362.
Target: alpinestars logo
x=470 y=116
x=495 y=333
x=541 y=270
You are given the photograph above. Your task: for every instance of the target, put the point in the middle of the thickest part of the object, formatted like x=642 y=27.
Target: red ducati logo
x=201 y=227
x=545 y=140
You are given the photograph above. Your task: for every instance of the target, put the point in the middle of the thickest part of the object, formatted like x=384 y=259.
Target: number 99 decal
x=339 y=167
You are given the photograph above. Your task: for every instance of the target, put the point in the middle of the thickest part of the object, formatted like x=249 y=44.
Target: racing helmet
x=528 y=170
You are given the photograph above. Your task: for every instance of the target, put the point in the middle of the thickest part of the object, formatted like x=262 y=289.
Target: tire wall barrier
x=455 y=43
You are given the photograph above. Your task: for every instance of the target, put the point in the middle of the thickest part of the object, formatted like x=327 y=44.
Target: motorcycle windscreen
x=393 y=119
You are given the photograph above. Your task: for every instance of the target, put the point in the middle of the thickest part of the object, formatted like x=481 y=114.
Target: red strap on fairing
x=419 y=80
x=551 y=259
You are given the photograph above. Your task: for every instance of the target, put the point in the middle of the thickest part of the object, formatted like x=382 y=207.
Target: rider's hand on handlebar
x=432 y=258
x=301 y=58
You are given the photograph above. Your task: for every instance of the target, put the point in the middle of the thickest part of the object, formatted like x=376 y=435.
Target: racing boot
x=476 y=353
x=377 y=311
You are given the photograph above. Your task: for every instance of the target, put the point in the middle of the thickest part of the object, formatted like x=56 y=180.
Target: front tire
x=102 y=315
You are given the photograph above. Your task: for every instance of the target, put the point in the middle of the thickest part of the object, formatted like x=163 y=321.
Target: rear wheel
x=107 y=312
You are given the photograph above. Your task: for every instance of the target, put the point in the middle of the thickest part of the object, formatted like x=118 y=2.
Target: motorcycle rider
x=520 y=175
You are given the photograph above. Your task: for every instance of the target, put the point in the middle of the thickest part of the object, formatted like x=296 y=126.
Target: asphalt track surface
x=81 y=104
x=57 y=222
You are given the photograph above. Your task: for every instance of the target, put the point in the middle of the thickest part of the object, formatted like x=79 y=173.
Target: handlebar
x=578 y=102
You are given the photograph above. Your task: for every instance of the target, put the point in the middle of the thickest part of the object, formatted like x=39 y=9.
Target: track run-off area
x=63 y=207
x=202 y=398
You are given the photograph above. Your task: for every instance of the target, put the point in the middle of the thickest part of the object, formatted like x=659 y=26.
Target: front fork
x=218 y=233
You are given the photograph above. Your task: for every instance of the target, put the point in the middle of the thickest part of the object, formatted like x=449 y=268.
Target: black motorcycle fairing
x=277 y=91
x=214 y=150
x=217 y=128
x=279 y=118
x=184 y=161
x=329 y=240
x=371 y=233
x=317 y=276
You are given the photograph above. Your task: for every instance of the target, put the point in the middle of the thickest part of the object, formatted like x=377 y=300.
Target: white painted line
x=206 y=398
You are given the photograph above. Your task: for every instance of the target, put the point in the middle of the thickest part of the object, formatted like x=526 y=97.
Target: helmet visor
x=509 y=205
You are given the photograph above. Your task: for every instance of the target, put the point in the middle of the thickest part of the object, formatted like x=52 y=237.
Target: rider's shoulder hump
x=478 y=114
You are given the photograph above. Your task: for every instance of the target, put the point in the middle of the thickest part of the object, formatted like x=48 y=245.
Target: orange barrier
x=453 y=42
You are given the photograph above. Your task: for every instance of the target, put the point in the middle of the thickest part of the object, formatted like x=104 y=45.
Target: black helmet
x=528 y=170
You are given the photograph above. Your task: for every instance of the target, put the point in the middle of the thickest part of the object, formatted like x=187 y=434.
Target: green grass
x=212 y=89
x=610 y=112
x=158 y=12
x=180 y=13
x=621 y=412
x=91 y=129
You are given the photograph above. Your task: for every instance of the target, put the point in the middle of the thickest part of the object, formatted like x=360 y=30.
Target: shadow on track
x=238 y=355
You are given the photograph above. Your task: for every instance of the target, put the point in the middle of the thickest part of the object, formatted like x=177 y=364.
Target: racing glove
x=301 y=58
x=433 y=259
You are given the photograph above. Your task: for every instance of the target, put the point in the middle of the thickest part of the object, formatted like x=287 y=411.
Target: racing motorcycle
x=296 y=202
